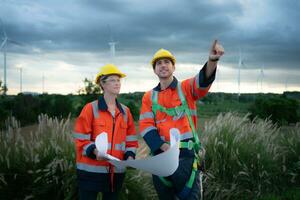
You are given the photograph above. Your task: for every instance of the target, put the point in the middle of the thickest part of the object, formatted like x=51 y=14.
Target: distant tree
x=26 y=108
x=134 y=110
x=3 y=89
x=279 y=109
x=5 y=109
x=61 y=106
x=89 y=87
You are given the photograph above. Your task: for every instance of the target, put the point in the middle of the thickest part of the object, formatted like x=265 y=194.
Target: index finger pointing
x=214 y=44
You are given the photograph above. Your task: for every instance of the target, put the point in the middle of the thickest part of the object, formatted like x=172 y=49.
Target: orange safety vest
x=91 y=122
x=169 y=98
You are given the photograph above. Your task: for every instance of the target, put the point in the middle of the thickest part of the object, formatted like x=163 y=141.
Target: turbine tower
x=286 y=84
x=5 y=41
x=112 y=45
x=21 y=77
x=43 y=84
x=240 y=64
x=3 y=47
x=261 y=77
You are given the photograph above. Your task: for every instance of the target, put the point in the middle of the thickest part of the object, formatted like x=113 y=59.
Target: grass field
x=245 y=160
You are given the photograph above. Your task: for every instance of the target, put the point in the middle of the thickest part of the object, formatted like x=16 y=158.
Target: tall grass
x=41 y=164
x=246 y=159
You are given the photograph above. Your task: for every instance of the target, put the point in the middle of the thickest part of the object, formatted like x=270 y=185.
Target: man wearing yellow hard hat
x=104 y=115
x=172 y=104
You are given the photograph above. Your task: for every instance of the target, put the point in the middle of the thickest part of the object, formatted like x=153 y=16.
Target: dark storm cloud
x=185 y=27
x=85 y=25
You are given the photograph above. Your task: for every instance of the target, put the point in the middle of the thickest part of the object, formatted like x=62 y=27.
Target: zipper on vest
x=112 y=135
x=113 y=132
x=111 y=168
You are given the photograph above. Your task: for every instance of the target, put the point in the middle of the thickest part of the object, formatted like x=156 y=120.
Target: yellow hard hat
x=109 y=69
x=162 y=53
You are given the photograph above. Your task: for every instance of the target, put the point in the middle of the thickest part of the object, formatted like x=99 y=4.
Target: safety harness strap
x=176 y=111
x=189 y=115
x=189 y=184
x=189 y=145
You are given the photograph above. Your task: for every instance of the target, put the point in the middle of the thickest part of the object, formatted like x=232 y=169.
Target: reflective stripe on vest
x=95 y=108
x=147 y=115
x=148 y=129
x=125 y=113
x=183 y=136
x=120 y=147
x=81 y=136
x=97 y=169
x=131 y=138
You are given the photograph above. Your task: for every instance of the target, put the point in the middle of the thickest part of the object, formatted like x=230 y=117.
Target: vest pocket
x=124 y=125
x=99 y=127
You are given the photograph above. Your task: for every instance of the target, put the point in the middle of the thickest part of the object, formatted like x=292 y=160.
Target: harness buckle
x=190 y=145
x=177 y=110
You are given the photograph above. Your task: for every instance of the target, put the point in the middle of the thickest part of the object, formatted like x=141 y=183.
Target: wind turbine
x=21 y=78
x=241 y=63
x=3 y=47
x=112 y=45
x=218 y=78
x=261 y=76
x=5 y=41
x=43 y=84
x=286 y=84
x=20 y=69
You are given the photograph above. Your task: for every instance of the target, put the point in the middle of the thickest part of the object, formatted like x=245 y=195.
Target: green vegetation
x=3 y=89
x=252 y=146
x=245 y=160
x=27 y=108
x=212 y=109
x=281 y=110
x=290 y=194
x=41 y=165
x=89 y=87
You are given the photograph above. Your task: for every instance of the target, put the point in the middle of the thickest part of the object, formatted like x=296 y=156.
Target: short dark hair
x=154 y=63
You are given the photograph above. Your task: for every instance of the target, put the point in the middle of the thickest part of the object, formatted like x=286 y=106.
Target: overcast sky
x=66 y=41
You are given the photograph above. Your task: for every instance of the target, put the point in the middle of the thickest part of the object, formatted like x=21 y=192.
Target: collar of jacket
x=173 y=85
x=103 y=106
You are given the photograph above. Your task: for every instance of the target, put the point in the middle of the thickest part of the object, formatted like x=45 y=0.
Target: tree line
x=280 y=108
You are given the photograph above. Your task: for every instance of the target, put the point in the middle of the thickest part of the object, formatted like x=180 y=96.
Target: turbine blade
x=15 y=42
x=3 y=43
x=3 y=28
x=110 y=33
x=244 y=65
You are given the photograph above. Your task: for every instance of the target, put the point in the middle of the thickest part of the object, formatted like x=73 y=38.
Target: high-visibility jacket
x=155 y=128
x=92 y=121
